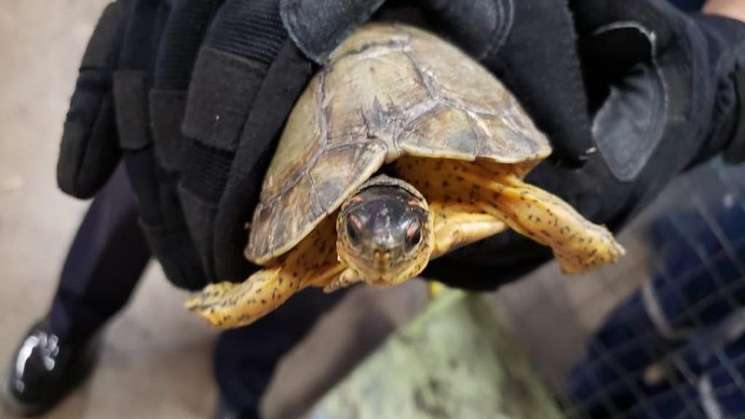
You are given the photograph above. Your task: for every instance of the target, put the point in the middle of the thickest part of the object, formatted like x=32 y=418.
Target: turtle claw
x=345 y=279
x=213 y=303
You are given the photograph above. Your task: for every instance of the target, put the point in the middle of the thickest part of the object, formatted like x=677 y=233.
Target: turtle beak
x=383 y=245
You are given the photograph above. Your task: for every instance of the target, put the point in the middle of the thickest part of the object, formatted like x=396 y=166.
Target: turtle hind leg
x=312 y=263
x=343 y=280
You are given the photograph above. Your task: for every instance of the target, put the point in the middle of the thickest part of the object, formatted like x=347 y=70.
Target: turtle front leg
x=313 y=262
x=345 y=279
x=227 y=305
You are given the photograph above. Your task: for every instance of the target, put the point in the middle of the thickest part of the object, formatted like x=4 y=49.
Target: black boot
x=44 y=369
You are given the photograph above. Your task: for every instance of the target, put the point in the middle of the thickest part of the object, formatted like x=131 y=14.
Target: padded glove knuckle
x=89 y=150
x=318 y=26
x=222 y=89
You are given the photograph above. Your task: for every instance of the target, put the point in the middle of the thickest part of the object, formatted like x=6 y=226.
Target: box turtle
x=401 y=149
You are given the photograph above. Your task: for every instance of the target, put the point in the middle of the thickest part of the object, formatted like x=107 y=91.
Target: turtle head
x=385 y=232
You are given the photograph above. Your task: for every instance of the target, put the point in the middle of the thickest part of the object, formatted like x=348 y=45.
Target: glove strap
x=735 y=151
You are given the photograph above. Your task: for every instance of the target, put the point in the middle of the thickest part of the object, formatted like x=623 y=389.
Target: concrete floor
x=156 y=358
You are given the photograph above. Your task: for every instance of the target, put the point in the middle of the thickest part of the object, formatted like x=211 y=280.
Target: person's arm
x=730 y=8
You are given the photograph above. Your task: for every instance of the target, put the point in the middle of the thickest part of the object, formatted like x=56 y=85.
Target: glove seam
x=734 y=151
x=498 y=40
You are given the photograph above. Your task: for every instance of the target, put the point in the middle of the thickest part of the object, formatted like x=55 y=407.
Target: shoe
x=226 y=411
x=44 y=369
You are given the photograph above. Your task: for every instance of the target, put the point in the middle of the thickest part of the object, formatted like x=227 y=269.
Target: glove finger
x=243 y=40
x=480 y=27
x=160 y=215
x=616 y=37
x=241 y=43
x=555 y=99
x=132 y=81
x=317 y=27
x=89 y=151
x=644 y=110
x=285 y=81
x=182 y=37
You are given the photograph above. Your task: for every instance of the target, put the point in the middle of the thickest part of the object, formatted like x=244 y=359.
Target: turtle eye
x=353 y=229
x=413 y=235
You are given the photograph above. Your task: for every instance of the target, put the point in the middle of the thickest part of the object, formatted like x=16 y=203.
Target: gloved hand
x=246 y=76
x=663 y=91
x=109 y=117
x=225 y=78
x=252 y=65
x=257 y=57
x=250 y=69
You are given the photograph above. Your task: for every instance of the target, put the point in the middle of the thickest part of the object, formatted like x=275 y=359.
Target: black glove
x=663 y=90
x=246 y=78
x=109 y=114
x=258 y=56
x=250 y=70
x=228 y=73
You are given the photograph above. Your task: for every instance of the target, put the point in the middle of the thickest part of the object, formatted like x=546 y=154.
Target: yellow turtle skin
x=397 y=98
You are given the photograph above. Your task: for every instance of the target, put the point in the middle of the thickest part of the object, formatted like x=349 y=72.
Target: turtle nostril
x=382 y=255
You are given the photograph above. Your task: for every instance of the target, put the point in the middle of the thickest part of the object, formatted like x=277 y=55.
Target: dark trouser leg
x=104 y=263
x=688 y=5
x=245 y=358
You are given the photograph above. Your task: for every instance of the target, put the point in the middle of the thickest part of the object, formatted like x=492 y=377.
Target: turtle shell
x=387 y=91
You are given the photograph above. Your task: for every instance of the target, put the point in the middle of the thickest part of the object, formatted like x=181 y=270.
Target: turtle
x=401 y=149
